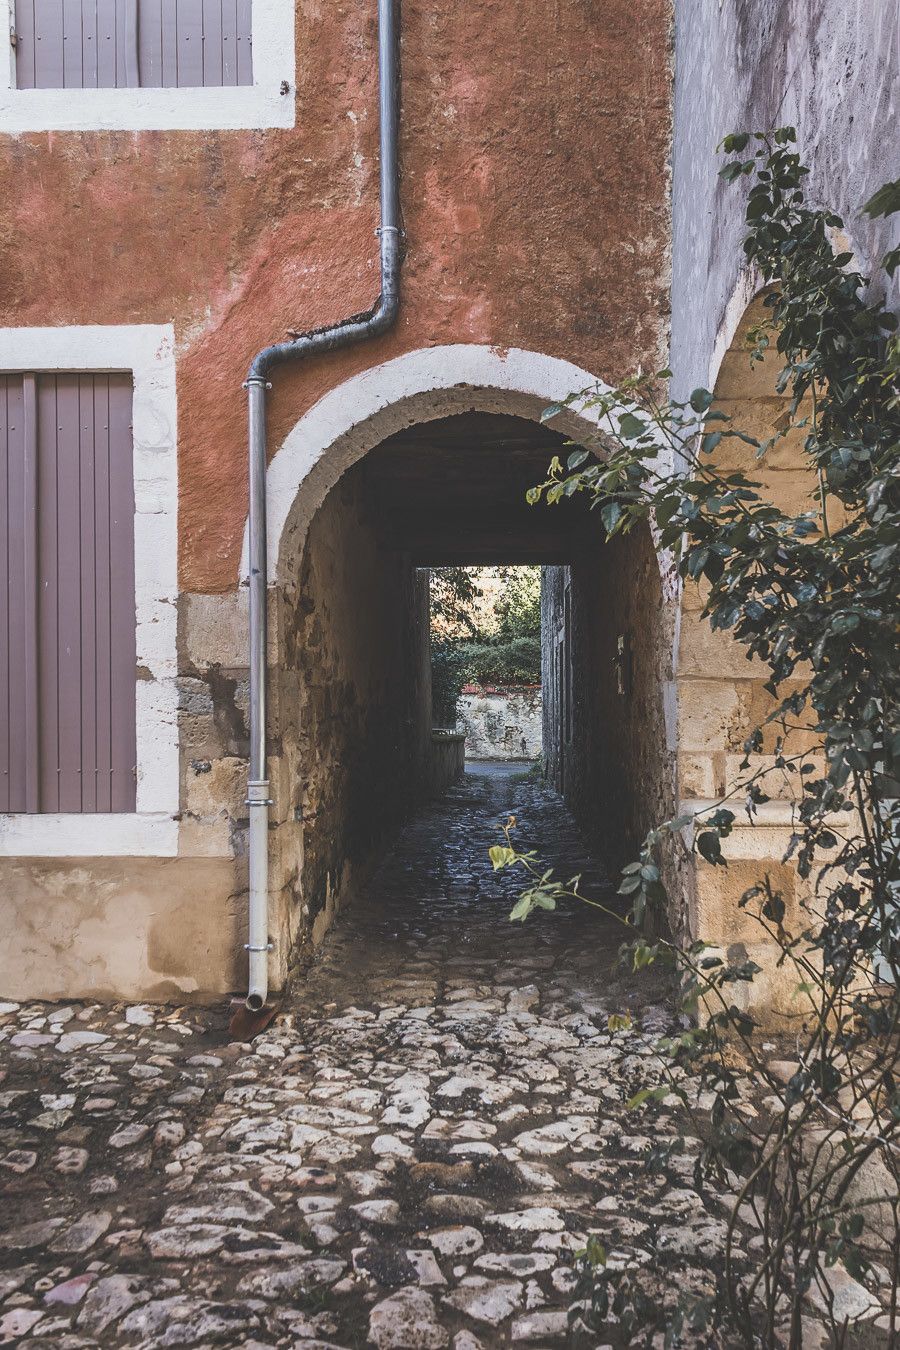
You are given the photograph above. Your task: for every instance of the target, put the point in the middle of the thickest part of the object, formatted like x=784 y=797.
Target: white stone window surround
x=257 y=105
x=147 y=352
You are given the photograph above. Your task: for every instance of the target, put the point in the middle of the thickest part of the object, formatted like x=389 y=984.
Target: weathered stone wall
x=447 y=762
x=556 y=673
x=613 y=755
x=722 y=697
x=626 y=681
x=121 y=928
x=829 y=67
x=832 y=70
x=502 y=723
x=353 y=736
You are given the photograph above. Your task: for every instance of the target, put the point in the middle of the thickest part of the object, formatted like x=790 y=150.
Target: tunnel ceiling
x=453 y=491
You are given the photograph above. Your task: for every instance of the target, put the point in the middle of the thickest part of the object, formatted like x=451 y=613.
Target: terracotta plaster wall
x=534 y=155
x=534 y=146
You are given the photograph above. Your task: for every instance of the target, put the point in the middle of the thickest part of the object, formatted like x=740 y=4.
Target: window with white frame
x=88 y=591
x=67 y=621
x=145 y=64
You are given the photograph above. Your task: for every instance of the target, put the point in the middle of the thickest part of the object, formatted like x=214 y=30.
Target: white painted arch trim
x=256 y=105
x=419 y=386
x=147 y=352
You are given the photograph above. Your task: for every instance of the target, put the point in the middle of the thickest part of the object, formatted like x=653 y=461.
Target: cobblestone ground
x=407 y=1158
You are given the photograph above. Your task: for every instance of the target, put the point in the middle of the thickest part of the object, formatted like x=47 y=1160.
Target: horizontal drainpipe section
x=356 y=329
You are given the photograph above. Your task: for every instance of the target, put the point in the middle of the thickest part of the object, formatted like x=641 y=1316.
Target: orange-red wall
x=535 y=143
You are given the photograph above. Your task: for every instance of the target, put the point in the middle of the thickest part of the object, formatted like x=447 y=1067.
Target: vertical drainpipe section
x=358 y=328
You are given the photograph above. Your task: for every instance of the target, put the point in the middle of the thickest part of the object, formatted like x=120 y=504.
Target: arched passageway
x=426 y=462
x=351 y=705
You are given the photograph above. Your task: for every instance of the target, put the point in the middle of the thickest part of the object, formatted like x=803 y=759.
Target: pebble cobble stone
x=407 y=1158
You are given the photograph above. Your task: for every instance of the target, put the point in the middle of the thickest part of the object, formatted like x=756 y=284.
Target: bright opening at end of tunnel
x=486 y=659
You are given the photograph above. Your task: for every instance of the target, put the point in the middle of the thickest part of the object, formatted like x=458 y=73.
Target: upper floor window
x=116 y=44
x=85 y=65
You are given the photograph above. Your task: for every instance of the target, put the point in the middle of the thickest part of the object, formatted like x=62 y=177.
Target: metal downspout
x=358 y=328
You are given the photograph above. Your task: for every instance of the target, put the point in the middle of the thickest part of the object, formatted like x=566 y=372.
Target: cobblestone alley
x=409 y=1157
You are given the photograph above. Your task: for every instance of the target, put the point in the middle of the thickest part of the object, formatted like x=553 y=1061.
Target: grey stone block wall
x=502 y=723
x=831 y=68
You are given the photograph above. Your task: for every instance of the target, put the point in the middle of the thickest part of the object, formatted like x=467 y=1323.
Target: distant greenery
x=515 y=662
x=518 y=608
x=453 y=594
x=455 y=664
x=477 y=640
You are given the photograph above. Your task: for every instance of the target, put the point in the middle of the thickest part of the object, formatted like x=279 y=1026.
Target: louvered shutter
x=112 y=44
x=67 y=603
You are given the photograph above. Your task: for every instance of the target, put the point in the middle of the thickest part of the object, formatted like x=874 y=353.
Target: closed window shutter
x=18 y=596
x=67 y=604
x=113 y=44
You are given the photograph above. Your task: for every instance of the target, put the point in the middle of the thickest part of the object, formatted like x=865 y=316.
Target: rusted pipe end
x=247 y=1022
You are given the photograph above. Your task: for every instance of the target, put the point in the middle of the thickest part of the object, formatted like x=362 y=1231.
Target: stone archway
x=688 y=730
x=308 y=483
x=420 y=386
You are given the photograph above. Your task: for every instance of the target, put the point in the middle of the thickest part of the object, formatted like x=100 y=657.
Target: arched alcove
x=420 y=386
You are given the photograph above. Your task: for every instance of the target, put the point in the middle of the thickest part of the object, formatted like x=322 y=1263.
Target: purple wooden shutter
x=18 y=596
x=111 y=44
x=76 y=44
x=67 y=621
x=194 y=43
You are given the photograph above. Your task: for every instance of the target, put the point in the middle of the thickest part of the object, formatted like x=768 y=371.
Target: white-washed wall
x=501 y=722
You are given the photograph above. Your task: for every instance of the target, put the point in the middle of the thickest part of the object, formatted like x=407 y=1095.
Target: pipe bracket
x=248 y=947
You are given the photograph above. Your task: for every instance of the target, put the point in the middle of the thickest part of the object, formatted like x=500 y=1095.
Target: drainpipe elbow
x=259 y=367
x=384 y=314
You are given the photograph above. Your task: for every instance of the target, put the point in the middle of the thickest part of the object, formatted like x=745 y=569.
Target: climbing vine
x=812 y=1164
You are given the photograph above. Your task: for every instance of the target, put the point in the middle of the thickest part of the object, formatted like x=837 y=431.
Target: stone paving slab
x=408 y=1158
